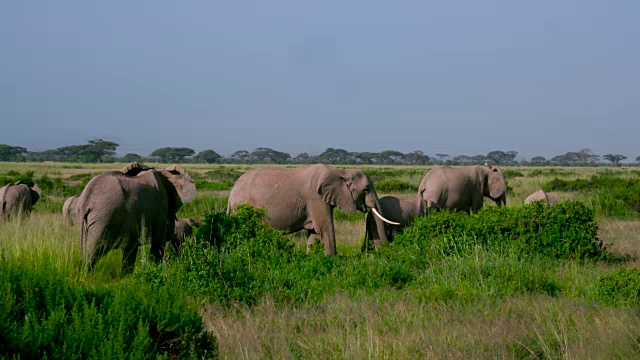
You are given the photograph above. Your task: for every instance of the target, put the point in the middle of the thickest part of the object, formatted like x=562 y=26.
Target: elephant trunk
x=502 y=200
x=372 y=202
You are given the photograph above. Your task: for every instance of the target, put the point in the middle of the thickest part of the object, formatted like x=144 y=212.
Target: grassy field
x=477 y=304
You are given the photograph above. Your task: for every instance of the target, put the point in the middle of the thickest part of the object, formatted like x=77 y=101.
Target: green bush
x=567 y=230
x=551 y=172
x=620 y=287
x=378 y=175
x=212 y=185
x=614 y=196
x=45 y=314
x=223 y=174
x=395 y=186
x=510 y=173
x=14 y=176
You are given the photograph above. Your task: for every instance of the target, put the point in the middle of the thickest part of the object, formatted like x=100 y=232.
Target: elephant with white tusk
x=463 y=188
x=18 y=198
x=117 y=207
x=304 y=198
x=401 y=211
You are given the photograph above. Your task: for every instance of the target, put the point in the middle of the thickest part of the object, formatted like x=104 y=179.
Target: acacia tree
x=416 y=158
x=131 y=157
x=11 y=153
x=586 y=155
x=442 y=156
x=208 y=156
x=172 y=154
x=538 y=159
x=614 y=158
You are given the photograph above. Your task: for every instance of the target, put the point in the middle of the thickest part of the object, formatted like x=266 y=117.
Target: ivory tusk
x=382 y=218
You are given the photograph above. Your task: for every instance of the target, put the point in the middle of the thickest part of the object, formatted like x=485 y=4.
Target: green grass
x=261 y=296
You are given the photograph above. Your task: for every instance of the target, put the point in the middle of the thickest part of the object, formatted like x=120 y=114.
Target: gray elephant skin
x=463 y=188
x=399 y=210
x=117 y=206
x=69 y=209
x=184 y=228
x=18 y=198
x=539 y=195
x=304 y=198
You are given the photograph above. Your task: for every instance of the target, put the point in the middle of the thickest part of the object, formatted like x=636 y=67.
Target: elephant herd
x=138 y=204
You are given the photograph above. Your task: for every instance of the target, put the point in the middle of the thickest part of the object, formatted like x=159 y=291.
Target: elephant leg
x=322 y=219
x=311 y=239
x=159 y=238
x=94 y=251
x=129 y=254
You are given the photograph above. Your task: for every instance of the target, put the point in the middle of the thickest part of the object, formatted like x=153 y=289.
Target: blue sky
x=456 y=77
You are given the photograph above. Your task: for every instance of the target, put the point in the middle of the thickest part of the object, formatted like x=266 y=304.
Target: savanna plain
x=518 y=282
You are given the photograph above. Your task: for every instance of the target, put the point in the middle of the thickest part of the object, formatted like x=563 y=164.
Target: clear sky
x=459 y=77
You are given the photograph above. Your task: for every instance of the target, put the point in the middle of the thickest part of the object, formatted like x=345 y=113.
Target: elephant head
x=496 y=188
x=177 y=181
x=350 y=190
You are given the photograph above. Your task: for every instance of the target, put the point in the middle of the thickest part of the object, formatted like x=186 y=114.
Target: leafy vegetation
x=395 y=186
x=45 y=314
x=565 y=231
x=613 y=196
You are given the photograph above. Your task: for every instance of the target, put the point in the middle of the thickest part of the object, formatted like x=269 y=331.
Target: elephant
x=304 y=198
x=18 y=198
x=402 y=211
x=463 y=188
x=117 y=207
x=539 y=195
x=69 y=209
x=183 y=229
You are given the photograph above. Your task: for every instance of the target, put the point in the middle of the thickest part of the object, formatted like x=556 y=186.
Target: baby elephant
x=402 y=211
x=539 y=195
x=69 y=210
x=184 y=229
x=18 y=198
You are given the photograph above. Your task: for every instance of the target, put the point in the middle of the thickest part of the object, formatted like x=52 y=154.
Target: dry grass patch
x=349 y=328
x=622 y=236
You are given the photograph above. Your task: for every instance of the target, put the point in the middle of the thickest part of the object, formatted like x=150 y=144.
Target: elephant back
x=134 y=168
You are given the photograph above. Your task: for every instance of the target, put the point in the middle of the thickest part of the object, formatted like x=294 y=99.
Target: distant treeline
x=100 y=151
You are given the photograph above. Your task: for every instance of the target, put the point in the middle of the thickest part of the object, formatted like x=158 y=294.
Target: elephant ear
x=497 y=185
x=182 y=182
x=334 y=189
x=35 y=191
x=134 y=168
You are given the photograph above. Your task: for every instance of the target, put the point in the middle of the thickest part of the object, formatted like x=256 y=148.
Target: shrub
x=620 y=287
x=14 y=176
x=614 y=196
x=45 y=314
x=395 y=186
x=551 y=172
x=212 y=185
x=567 y=230
x=224 y=175
x=510 y=173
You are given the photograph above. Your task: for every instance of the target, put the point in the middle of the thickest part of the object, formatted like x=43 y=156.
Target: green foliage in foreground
x=565 y=231
x=620 y=287
x=614 y=196
x=443 y=257
x=45 y=314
